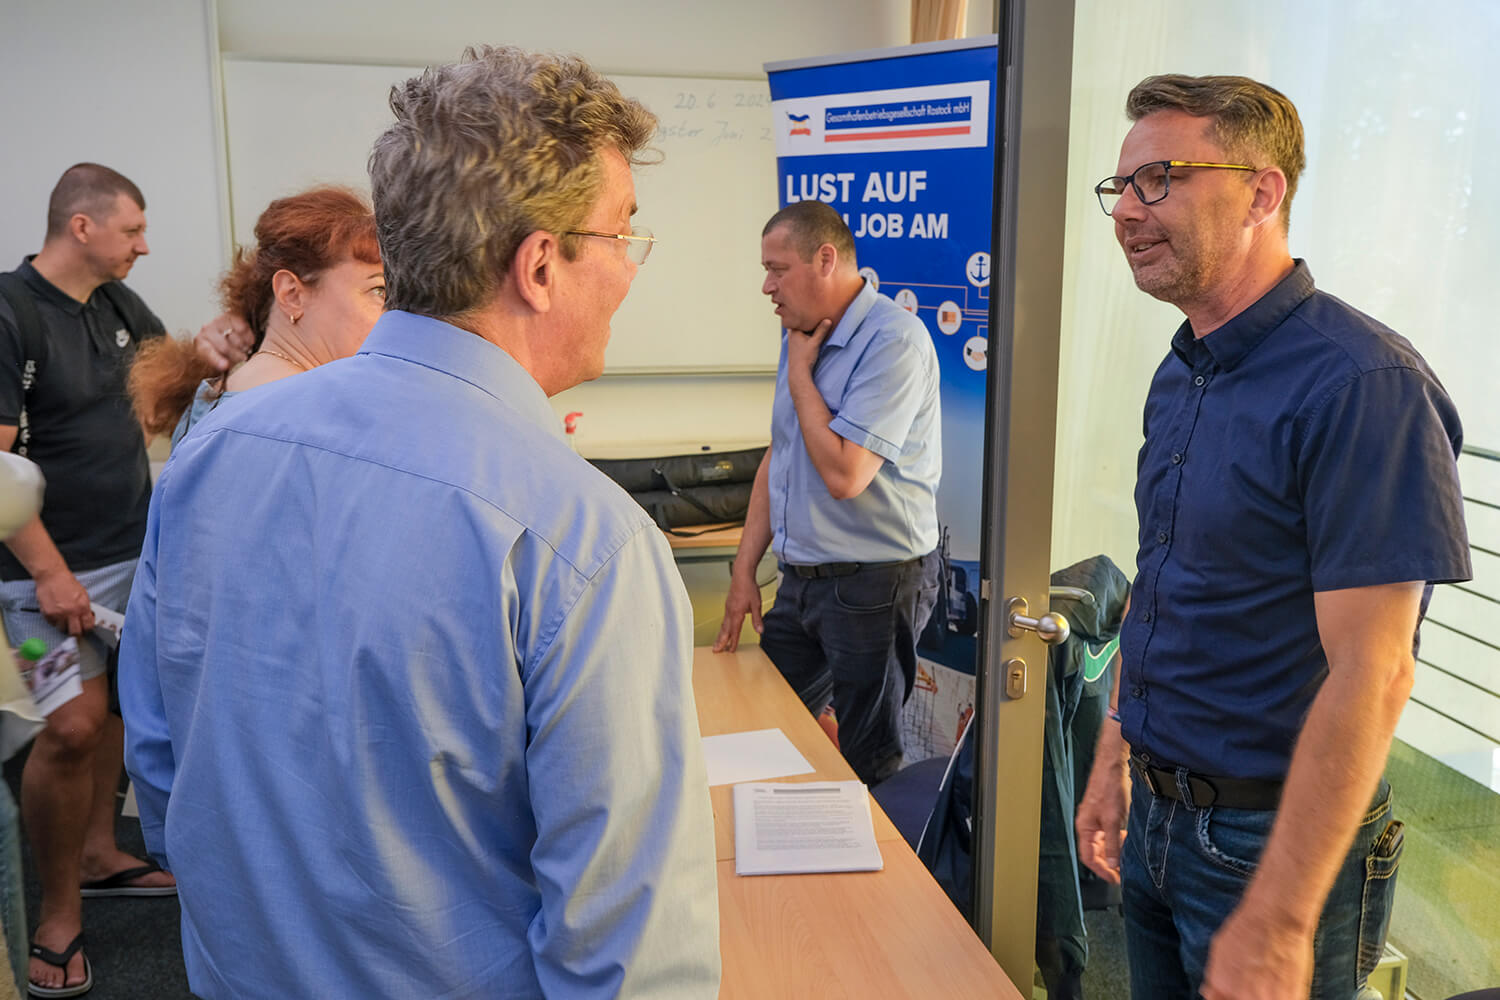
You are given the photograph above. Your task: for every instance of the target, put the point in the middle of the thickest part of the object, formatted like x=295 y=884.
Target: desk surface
x=740 y=692
x=889 y=934
x=707 y=536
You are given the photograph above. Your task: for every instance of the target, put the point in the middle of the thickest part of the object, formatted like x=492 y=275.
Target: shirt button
x=1161 y=538
x=1146 y=617
x=1199 y=380
x=1137 y=692
x=1176 y=458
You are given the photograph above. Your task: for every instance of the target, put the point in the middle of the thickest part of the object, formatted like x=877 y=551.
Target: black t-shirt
x=81 y=430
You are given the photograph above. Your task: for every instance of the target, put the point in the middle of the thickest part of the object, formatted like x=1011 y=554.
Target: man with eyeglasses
x=407 y=683
x=846 y=495
x=1297 y=497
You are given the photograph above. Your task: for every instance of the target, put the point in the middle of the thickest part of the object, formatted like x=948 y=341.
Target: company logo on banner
x=907 y=119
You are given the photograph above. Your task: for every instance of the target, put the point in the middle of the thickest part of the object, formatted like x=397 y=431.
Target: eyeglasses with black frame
x=638 y=243
x=1151 y=181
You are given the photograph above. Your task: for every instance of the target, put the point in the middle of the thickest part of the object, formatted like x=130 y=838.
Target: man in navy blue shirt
x=1298 y=495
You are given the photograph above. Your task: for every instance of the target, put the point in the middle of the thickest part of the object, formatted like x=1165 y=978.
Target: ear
x=290 y=292
x=828 y=259
x=1270 y=192
x=534 y=270
x=80 y=226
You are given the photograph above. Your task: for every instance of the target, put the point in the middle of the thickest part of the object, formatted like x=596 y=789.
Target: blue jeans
x=1184 y=870
x=852 y=641
x=12 y=895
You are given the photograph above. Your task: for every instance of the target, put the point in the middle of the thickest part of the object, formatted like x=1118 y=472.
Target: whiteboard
x=695 y=305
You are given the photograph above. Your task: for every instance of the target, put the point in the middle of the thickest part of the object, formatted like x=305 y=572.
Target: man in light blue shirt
x=846 y=495
x=406 y=682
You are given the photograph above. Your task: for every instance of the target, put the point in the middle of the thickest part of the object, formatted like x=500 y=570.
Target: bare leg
x=101 y=858
x=99 y=834
x=56 y=800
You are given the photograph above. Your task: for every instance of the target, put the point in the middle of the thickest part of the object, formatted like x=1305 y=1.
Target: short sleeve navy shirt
x=1301 y=447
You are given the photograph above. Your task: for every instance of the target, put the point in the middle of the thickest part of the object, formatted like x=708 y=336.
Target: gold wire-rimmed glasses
x=638 y=243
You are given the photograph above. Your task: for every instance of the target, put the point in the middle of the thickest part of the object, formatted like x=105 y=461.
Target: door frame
x=1030 y=208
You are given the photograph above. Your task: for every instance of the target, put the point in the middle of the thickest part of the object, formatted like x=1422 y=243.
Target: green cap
x=33 y=649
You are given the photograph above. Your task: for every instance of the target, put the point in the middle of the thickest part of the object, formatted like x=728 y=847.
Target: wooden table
x=706 y=542
x=887 y=934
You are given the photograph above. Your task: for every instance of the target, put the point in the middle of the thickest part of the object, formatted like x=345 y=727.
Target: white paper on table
x=57 y=678
x=751 y=756
x=816 y=826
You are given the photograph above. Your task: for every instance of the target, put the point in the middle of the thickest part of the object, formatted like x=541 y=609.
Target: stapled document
x=816 y=826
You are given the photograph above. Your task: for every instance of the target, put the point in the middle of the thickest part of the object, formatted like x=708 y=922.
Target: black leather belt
x=823 y=570
x=1206 y=790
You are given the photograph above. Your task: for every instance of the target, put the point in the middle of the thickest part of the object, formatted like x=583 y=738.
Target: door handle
x=1052 y=628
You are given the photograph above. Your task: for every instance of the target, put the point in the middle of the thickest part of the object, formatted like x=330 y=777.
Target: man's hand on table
x=743 y=599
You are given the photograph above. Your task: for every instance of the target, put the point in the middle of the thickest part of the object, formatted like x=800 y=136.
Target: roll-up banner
x=902 y=142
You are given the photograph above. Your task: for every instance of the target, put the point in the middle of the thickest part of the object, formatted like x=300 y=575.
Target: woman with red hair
x=310 y=290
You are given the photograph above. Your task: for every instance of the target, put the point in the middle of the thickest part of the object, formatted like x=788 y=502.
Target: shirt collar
x=47 y=290
x=1232 y=342
x=854 y=314
x=465 y=356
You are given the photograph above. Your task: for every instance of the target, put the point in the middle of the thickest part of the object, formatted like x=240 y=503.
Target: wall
x=127 y=85
x=651 y=38
x=662 y=38
x=136 y=91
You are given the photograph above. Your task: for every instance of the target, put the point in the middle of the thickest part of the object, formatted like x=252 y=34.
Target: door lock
x=1015 y=678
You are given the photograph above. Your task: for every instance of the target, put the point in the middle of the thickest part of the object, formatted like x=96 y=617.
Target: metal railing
x=1460 y=626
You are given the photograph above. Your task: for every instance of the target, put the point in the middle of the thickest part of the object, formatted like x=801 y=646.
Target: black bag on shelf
x=681 y=491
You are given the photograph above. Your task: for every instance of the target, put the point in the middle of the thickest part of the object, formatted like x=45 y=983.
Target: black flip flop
x=60 y=960
x=118 y=884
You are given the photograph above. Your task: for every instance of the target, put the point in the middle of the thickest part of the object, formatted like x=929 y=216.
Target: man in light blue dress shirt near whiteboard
x=846 y=495
x=407 y=683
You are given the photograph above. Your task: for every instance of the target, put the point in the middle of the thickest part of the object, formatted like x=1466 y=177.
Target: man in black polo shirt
x=1298 y=495
x=68 y=332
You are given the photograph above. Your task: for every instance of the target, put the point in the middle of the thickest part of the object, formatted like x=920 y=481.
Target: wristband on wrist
x=1113 y=713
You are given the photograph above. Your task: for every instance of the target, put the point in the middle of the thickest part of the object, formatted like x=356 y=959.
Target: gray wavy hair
x=483 y=153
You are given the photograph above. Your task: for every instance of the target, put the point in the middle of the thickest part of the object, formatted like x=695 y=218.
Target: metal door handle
x=1052 y=628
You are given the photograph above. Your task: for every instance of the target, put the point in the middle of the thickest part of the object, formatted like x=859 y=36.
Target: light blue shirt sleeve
x=609 y=687
x=884 y=395
x=148 y=744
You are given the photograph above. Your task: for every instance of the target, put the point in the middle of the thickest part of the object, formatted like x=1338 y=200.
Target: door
x=1035 y=60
